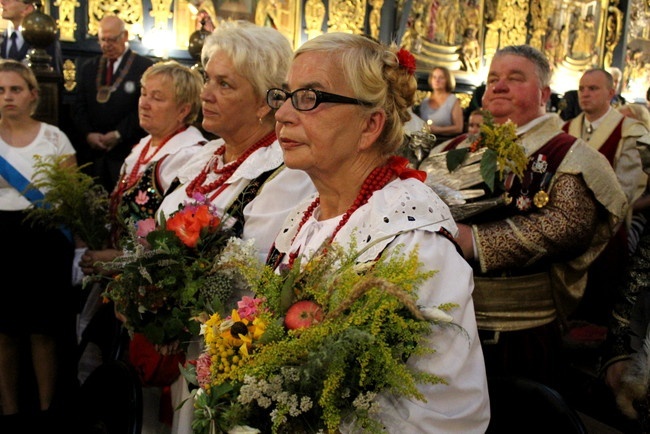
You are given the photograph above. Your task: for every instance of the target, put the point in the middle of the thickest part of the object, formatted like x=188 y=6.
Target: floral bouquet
x=72 y=200
x=501 y=152
x=456 y=174
x=315 y=347
x=174 y=273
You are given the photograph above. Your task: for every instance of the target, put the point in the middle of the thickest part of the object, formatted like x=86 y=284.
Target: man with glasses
x=105 y=110
x=13 y=45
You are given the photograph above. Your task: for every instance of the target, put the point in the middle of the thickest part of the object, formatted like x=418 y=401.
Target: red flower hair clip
x=406 y=60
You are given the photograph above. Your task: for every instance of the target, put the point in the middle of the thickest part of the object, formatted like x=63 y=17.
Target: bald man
x=105 y=111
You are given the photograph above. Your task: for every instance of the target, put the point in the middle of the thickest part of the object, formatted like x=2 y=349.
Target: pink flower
x=203 y=369
x=247 y=307
x=143 y=227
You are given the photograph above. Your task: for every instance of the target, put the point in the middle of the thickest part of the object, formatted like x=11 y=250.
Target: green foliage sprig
x=503 y=152
x=72 y=200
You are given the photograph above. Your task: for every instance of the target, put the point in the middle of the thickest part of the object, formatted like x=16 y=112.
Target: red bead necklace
x=197 y=186
x=377 y=179
x=127 y=182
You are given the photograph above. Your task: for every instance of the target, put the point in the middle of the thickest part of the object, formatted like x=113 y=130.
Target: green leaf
x=154 y=333
x=163 y=237
x=489 y=168
x=287 y=291
x=193 y=327
x=217 y=306
x=189 y=373
x=71 y=199
x=455 y=158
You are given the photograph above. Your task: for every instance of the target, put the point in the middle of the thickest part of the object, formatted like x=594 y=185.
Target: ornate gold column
x=66 y=22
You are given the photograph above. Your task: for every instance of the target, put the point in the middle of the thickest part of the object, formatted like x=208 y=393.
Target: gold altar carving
x=513 y=15
x=447 y=19
x=374 y=18
x=463 y=35
x=540 y=10
x=445 y=33
x=186 y=16
x=161 y=13
x=459 y=34
x=266 y=13
x=613 y=31
x=636 y=72
x=129 y=10
x=187 y=19
x=314 y=18
x=69 y=75
x=281 y=14
x=346 y=16
x=583 y=44
x=66 y=22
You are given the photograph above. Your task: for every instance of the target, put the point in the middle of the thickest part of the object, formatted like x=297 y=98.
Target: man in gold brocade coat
x=530 y=256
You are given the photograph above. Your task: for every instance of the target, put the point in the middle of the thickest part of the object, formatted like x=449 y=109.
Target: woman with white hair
x=242 y=173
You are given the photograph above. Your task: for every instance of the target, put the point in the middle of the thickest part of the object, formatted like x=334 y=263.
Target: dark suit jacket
x=119 y=113
x=54 y=50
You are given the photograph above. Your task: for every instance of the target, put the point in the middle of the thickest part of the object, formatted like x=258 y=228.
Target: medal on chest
x=104 y=91
x=103 y=94
x=534 y=184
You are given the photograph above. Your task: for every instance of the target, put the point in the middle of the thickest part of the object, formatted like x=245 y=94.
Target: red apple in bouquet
x=302 y=314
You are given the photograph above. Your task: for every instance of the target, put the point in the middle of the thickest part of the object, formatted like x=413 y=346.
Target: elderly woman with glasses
x=339 y=118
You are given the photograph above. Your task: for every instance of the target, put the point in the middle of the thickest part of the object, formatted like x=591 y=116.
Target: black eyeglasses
x=307 y=99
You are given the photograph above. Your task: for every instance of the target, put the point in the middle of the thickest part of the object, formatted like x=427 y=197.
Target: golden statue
x=375 y=17
x=470 y=50
x=584 y=38
x=314 y=16
x=613 y=29
x=448 y=18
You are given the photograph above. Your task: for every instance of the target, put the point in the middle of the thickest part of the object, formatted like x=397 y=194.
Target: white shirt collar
x=19 y=35
x=598 y=121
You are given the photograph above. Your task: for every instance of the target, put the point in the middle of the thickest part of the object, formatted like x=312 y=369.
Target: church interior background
x=459 y=34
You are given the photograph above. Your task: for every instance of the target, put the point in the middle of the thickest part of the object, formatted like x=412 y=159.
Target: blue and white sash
x=18 y=172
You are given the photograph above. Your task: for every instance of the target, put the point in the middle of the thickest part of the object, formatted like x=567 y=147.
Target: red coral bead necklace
x=129 y=181
x=197 y=184
x=376 y=180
